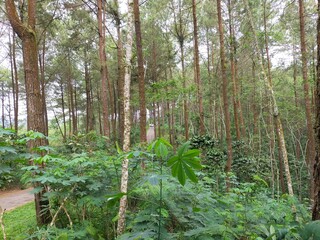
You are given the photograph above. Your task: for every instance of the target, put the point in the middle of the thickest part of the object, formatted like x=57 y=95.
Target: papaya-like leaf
x=191 y=153
x=175 y=169
x=190 y=173
x=173 y=160
x=183 y=148
x=193 y=162
x=181 y=175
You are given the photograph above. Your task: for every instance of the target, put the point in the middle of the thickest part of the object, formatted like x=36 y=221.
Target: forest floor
x=11 y=199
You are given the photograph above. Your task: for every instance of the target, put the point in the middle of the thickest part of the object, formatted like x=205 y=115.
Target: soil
x=11 y=199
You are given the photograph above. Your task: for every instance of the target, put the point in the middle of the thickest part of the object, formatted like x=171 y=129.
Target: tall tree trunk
x=2 y=104
x=225 y=95
x=73 y=117
x=197 y=68
x=89 y=108
x=142 y=98
x=121 y=71
x=43 y=83
x=35 y=121
x=310 y=131
x=316 y=172
x=63 y=111
x=233 y=72
x=275 y=111
x=15 y=81
x=103 y=69
x=127 y=122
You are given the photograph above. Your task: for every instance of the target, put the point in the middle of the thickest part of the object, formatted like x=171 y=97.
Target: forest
x=171 y=119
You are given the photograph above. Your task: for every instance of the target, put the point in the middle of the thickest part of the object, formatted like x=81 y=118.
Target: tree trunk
x=310 y=131
x=103 y=69
x=120 y=73
x=63 y=111
x=197 y=68
x=73 y=117
x=89 y=108
x=127 y=122
x=142 y=98
x=15 y=82
x=35 y=120
x=2 y=104
x=275 y=111
x=43 y=84
x=233 y=72
x=225 y=95
x=316 y=172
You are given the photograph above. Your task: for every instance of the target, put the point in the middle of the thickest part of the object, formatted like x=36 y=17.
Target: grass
x=19 y=221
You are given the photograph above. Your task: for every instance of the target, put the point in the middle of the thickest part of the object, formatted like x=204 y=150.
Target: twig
x=62 y=207
x=1 y=223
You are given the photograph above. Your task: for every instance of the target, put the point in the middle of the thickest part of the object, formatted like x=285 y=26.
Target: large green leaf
x=184 y=163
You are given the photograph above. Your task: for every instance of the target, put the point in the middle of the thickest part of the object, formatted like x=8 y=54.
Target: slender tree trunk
x=2 y=104
x=275 y=111
x=43 y=84
x=15 y=81
x=142 y=98
x=310 y=131
x=89 y=108
x=316 y=172
x=127 y=122
x=103 y=69
x=73 y=120
x=121 y=71
x=225 y=95
x=197 y=67
x=63 y=111
x=233 y=72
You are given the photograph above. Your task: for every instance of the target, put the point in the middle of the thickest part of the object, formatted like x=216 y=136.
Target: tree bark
x=275 y=111
x=127 y=122
x=197 y=68
x=121 y=71
x=15 y=82
x=310 y=131
x=35 y=121
x=103 y=70
x=316 y=172
x=89 y=108
x=233 y=72
x=225 y=95
x=142 y=98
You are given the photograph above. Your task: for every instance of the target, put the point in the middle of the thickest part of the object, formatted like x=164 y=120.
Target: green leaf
x=175 y=169
x=113 y=199
x=119 y=151
x=173 y=160
x=194 y=163
x=7 y=150
x=190 y=173
x=192 y=153
x=181 y=175
x=183 y=148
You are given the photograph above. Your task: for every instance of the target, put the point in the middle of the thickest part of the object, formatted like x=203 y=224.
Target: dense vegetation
x=173 y=119
x=84 y=176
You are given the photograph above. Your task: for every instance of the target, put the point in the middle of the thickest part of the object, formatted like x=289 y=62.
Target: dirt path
x=150 y=134
x=15 y=198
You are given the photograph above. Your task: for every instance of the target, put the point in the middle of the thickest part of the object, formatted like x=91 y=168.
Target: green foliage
x=12 y=157
x=184 y=162
x=15 y=223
